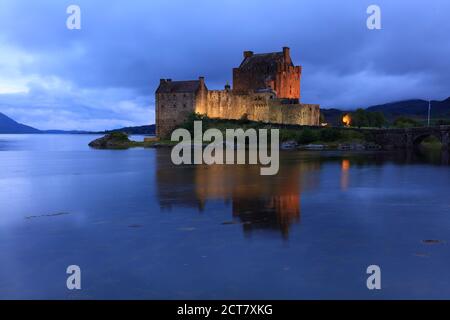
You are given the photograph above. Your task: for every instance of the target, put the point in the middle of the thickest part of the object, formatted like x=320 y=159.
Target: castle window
x=184 y=105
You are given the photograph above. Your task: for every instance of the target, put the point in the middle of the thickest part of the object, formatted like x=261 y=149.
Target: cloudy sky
x=104 y=75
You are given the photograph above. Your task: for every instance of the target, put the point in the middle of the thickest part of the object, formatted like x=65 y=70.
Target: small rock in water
x=229 y=222
x=135 y=226
x=432 y=241
x=289 y=145
x=48 y=215
x=115 y=140
x=314 y=147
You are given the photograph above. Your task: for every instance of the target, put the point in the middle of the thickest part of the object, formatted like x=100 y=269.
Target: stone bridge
x=407 y=138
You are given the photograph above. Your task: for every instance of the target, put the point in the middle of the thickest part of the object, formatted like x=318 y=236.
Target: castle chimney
x=248 y=54
x=161 y=81
x=169 y=80
x=202 y=81
x=286 y=54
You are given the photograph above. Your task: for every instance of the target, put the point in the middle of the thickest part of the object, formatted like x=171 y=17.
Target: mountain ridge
x=412 y=108
x=8 y=125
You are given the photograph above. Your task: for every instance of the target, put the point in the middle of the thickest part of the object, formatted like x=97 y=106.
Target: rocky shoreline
x=119 y=140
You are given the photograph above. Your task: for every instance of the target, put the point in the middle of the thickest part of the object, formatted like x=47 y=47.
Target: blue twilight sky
x=104 y=75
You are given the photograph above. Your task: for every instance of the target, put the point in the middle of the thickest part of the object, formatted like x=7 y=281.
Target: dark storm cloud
x=105 y=74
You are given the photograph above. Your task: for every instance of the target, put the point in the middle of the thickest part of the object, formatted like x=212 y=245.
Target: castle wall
x=295 y=114
x=172 y=109
x=225 y=104
x=249 y=80
x=287 y=82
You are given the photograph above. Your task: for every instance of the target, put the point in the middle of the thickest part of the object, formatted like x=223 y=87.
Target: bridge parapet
x=407 y=137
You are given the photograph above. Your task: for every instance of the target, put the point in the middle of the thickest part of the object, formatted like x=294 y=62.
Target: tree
x=404 y=122
x=364 y=118
x=376 y=119
x=244 y=119
x=322 y=118
x=360 y=118
x=330 y=134
x=308 y=136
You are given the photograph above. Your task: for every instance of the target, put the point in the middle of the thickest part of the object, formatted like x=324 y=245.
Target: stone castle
x=266 y=88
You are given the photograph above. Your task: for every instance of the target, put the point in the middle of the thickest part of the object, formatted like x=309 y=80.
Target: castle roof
x=169 y=86
x=262 y=59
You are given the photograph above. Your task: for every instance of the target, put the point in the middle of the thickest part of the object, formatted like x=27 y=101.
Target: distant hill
x=140 y=130
x=150 y=130
x=65 y=132
x=8 y=125
x=415 y=109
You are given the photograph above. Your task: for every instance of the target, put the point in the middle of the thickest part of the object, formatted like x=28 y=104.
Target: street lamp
x=429 y=111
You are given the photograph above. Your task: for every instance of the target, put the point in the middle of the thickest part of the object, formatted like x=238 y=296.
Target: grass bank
x=329 y=137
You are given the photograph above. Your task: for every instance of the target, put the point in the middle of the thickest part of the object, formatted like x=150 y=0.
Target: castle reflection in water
x=264 y=202
x=255 y=201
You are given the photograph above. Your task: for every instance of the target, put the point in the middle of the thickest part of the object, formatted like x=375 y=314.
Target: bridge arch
x=408 y=137
x=418 y=139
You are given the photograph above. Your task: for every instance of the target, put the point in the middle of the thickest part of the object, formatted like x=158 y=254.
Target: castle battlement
x=266 y=87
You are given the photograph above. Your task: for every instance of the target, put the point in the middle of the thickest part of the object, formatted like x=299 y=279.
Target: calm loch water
x=141 y=228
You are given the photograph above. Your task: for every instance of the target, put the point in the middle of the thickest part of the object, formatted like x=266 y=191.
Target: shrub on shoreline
x=301 y=135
